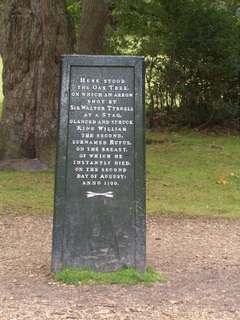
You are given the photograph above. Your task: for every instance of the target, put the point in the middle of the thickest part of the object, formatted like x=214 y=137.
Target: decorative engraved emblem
x=108 y=194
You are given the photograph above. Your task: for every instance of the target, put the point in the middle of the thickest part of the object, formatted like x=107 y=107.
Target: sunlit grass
x=26 y=192
x=191 y=174
x=184 y=173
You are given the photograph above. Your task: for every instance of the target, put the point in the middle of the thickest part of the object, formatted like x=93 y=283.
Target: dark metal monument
x=99 y=215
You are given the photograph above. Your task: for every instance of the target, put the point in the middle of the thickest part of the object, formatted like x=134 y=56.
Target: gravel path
x=200 y=259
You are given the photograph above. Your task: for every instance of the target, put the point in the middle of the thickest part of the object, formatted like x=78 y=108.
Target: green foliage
x=138 y=20
x=75 y=9
x=205 y=61
x=123 y=277
x=192 y=55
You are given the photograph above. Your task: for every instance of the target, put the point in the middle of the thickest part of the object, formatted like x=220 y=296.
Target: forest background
x=191 y=50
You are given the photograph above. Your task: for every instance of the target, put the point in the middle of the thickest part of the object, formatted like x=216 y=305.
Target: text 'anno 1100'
x=102 y=129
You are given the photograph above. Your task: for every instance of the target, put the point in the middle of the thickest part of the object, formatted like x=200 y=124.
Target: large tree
x=33 y=35
x=92 y=27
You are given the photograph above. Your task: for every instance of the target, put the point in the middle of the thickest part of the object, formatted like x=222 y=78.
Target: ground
x=200 y=258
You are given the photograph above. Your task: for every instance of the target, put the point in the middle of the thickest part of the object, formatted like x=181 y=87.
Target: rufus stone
x=99 y=213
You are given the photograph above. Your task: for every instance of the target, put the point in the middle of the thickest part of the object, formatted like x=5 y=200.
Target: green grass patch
x=26 y=192
x=123 y=277
x=193 y=174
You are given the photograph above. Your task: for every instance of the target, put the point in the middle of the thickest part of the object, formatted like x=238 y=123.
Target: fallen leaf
x=223 y=180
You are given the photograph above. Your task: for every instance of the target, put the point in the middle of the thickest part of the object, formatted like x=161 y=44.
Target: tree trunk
x=33 y=36
x=92 y=27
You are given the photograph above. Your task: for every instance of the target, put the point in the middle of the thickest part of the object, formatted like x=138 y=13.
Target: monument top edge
x=101 y=60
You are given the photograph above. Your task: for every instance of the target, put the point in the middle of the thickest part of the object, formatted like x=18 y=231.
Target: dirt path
x=200 y=258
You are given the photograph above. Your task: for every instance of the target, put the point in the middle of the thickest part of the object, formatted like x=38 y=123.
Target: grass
x=187 y=174
x=123 y=277
x=26 y=192
x=193 y=174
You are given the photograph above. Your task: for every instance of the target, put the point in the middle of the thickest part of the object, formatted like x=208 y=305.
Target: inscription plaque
x=99 y=209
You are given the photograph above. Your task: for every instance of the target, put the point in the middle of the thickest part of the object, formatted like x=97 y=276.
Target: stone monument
x=99 y=208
